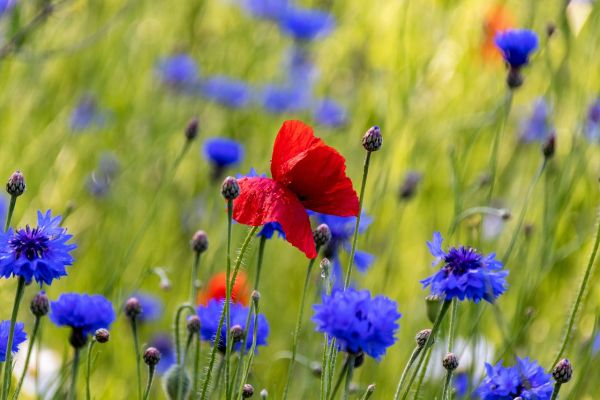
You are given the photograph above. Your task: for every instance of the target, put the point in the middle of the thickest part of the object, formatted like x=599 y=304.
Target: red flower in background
x=498 y=19
x=216 y=287
x=307 y=174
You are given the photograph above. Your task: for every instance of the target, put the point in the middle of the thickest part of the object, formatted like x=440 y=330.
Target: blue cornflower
x=209 y=322
x=39 y=253
x=267 y=9
x=300 y=69
x=162 y=342
x=179 y=71
x=357 y=321
x=19 y=337
x=229 y=92
x=465 y=273
x=461 y=384
x=516 y=45
x=537 y=128
x=329 y=113
x=592 y=126
x=86 y=114
x=285 y=99
x=83 y=312
x=527 y=379
x=152 y=307
x=306 y=24
x=223 y=152
x=5 y=7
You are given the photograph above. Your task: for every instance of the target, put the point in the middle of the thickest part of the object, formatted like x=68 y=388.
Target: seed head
x=40 y=305
x=237 y=333
x=151 y=356
x=193 y=324
x=199 y=242
x=322 y=235
x=372 y=140
x=102 y=335
x=450 y=362
x=16 y=184
x=230 y=189
x=132 y=308
x=191 y=130
x=422 y=337
x=563 y=371
x=247 y=391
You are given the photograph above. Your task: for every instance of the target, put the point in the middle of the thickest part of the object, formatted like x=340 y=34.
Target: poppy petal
x=263 y=200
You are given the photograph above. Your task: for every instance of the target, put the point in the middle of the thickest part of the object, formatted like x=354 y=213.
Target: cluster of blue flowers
x=526 y=380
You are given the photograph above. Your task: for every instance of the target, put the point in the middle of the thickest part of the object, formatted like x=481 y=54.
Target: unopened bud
x=176 y=376
x=422 y=337
x=550 y=29
x=433 y=304
x=16 y=184
x=563 y=371
x=199 y=242
x=322 y=235
x=193 y=324
x=230 y=189
x=264 y=394
x=450 y=362
x=255 y=296
x=102 y=335
x=237 y=333
x=549 y=146
x=40 y=305
x=409 y=185
x=372 y=140
x=132 y=308
x=325 y=266
x=151 y=356
x=247 y=391
x=191 y=130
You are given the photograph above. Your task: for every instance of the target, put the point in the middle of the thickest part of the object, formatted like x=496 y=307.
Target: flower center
x=31 y=243
x=459 y=261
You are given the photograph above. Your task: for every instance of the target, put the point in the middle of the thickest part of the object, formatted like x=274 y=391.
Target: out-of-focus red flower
x=498 y=19
x=216 y=289
x=307 y=174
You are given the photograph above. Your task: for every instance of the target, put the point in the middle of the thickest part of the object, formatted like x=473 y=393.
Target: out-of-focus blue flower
x=223 y=152
x=461 y=384
x=229 y=92
x=5 y=7
x=516 y=45
x=152 y=307
x=357 y=321
x=209 y=322
x=267 y=9
x=300 y=69
x=465 y=273
x=100 y=180
x=596 y=344
x=537 y=128
x=3 y=207
x=41 y=253
x=86 y=114
x=82 y=312
x=162 y=342
x=527 y=379
x=592 y=126
x=179 y=71
x=19 y=337
x=342 y=230
x=329 y=113
x=284 y=99
x=306 y=24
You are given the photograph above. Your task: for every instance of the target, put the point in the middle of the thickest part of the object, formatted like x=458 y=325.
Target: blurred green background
x=414 y=68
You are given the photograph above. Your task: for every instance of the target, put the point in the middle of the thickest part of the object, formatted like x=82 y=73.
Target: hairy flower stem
x=446 y=390
x=430 y=339
x=151 y=369
x=261 y=252
x=367 y=394
x=340 y=378
x=555 y=391
x=228 y=290
x=248 y=363
x=183 y=359
x=360 y=204
x=407 y=367
x=196 y=376
x=73 y=388
x=179 y=354
x=493 y=167
x=451 y=336
x=349 y=373
x=138 y=356
x=11 y=334
x=34 y=332
x=194 y=281
x=243 y=345
x=11 y=209
x=215 y=345
x=311 y=263
x=422 y=374
x=88 y=393
x=579 y=299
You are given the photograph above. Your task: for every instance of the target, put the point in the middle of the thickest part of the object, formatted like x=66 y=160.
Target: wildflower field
x=287 y=199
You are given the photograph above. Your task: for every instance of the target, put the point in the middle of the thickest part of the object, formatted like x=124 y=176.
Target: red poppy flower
x=216 y=289
x=307 y=174
x=498 y=19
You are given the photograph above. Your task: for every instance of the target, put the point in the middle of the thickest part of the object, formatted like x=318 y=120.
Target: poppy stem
x=88 y=394
x=183 y=358
x=311 y=263
x=194 y=290
x=360 y=204
x=11 y=334
x=411 y=361
x=493 y=167
x=579 y=299
x=36 y=326
x=180 y=355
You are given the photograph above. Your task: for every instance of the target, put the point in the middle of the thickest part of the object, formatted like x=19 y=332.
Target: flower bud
x=132 y=308
x=40 y=305
x=16 y=184
x=322 y=235
x=370 y=390
x=230 y=189
x=191 y=130
x=177 y=375
x=264 y=394
x=549 y=146
x=372 y=140
x=450 y=362
x=550 y=29
x=255 y=296
x=102 y=335
x=409 y=185
x=199 y=242
x=237 y=333
x=433 y=304
x=514 y=78
x=325 y=266
x=151 y=356
x=247 y=391
x=193 y=324
x=563 y=371
x=422 y=337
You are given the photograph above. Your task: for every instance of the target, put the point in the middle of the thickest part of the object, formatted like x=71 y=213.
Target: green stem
x=261 y=251
x=407 y=367
x=360 y=203
x=311 y=263
x=183 y=357
x=228 y=290
x=196 y=367
x=176 y=323
x=324 y=366
x=75 y=367
x=579 y=299
x=11 y=334
x=11 y=209
x=151 y=369
x=555 y=391
x=89 y=370
x=493 y=167
x=446 y=390
x=340 y=378
x=138 y=357
x=243 y=345
x=453 y=318
x=194 y=289
x=215 y=345
x=474 y=211
x=422 y=373
x=349 y=372
x=434 y=330
x=332 y=361
x=367 y=394
x=36 y=326
x=248 y=364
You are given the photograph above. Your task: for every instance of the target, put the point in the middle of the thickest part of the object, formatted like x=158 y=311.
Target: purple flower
x=5 y=7
x=527 y=379
x=179 y=71
x=86 y=114
x=306 y=24
x=82 y=312
x=284 y=99
x=537 y=128
x=162 y=342
x=330 y=114
x=516 y=45
x=152 y=307
x=357 y=321
x=592 y=126
x=41 y=253
x=267 y=9
x=223 y=152
x=226 y=91
x=300 y=69
x=19 y=337
x=465 y=273
x=101 y=179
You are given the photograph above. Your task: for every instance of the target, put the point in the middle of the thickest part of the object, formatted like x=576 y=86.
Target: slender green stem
x=311 y=263
x=580 y=296
x=176 y=323
x=151 y=369
x=194 y=283
x=360 y=203
x=555 y=391
x=11 y=209
x=75 y=367
x=453 y=321
x=407 y=367
x=493 y=167
x=243 y=345
x=324 y=375
x=340 y=378
x=138 y=357
x=434 y=330
x=228 y=290
x=11 y=334
x=474 y=211
x=248 y=364
x=88 y=393
x=349 y=372
x=446 y=391
x=332 y=360
x=215 y=345
x=196 y=377
x=368 y=392
x=183 y=358
x=422 y=373
x=261 y=251
x=36 y=326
